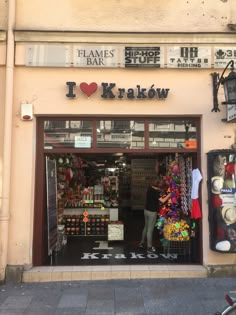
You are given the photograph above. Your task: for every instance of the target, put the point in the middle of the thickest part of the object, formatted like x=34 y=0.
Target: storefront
x=94 y=122
x=102 y=168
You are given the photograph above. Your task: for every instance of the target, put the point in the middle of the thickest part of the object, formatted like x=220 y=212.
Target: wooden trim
x=40 y=217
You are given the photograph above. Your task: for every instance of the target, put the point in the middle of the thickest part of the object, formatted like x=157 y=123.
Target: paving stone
x=16 y=302
x=128 y=293
x=72 y=301
x=100 y=307
x=70 y=311
x=101 y=293
x=12 y=312
x=40 y=311
x=120 y=297
x=134 y=306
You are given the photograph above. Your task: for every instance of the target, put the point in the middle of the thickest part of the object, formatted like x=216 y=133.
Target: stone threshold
x=77 y=273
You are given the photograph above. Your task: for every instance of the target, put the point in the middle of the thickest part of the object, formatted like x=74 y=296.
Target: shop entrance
x=100 y=208
x=101 y=201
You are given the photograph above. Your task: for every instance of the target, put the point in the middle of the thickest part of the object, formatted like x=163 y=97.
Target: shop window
x=68 y=134
x=123 y=134
x=172 y=134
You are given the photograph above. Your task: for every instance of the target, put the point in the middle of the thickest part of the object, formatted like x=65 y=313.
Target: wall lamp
x=229 y=84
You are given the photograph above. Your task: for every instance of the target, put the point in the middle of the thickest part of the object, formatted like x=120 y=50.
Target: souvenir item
x=217 y=183
x=229 y=214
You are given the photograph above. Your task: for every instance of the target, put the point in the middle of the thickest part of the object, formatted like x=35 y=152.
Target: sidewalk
x=124 y=297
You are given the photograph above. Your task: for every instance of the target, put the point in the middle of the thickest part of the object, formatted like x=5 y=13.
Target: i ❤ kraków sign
x=112 y=91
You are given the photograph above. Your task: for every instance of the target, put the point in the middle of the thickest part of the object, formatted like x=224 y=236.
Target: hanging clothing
x=196 y=179
x=195 y=208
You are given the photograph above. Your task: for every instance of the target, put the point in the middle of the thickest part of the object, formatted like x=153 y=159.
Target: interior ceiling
x=99 y=158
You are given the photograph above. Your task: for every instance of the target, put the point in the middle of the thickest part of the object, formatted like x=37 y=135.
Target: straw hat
x=229 y=214
x=217 y=183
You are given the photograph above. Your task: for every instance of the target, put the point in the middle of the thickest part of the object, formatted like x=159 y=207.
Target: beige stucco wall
x=45 y=88
x=3 y=14
x=3 y=219
x=122 y=15
x=2 y=103
x=190 y=93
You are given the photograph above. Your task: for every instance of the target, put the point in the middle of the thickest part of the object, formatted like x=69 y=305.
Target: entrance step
x=77 y=273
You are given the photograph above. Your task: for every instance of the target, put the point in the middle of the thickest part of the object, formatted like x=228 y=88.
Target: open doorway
x=102 y=170
x=100 y=192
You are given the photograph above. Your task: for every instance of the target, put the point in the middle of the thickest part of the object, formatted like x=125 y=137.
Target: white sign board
x=189 y=57
x=222 y=55
x=82 y=142
x=231 y=112
x=96 y=56
x=48 y=55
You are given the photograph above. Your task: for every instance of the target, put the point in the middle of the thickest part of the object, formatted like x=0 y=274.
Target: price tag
x=177 y=225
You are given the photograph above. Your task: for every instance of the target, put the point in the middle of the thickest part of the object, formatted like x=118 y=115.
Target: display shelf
x=97 y=221
x=142 y=171
x=125 y=188
x=112 y=212
x=95 y=225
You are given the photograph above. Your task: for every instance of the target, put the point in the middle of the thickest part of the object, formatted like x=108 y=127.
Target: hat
x=230 y=168
x=223 y=246
x=229 y=183
x=216 y=184
x=219 y=165
x=229 y=214
x=216 y=201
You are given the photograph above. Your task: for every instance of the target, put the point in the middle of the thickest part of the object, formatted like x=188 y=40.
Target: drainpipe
x=7 y=141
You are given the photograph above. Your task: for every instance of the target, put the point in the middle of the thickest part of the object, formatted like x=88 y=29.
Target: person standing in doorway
x=152 y=206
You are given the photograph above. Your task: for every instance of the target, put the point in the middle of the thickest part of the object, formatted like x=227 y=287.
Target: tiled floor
x=76 y=273
x=81 y=251
x=93 y=258
x=95 y=250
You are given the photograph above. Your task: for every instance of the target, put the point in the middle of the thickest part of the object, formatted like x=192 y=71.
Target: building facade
x=143 y=63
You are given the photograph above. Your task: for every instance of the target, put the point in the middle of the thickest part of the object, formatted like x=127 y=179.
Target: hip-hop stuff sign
x=143 y=57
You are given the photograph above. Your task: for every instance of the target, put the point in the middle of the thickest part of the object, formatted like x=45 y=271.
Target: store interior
x=100 y=209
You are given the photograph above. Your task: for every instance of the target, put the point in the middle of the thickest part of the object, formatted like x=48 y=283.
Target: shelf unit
x=142 y=171
x=97 y=221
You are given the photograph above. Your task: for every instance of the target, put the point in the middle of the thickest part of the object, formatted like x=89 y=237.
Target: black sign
x=142 y=57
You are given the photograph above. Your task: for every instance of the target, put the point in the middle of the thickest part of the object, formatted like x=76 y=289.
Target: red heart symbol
x=88 y=89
